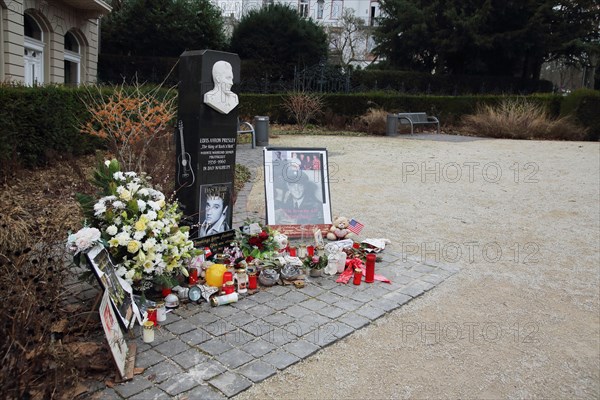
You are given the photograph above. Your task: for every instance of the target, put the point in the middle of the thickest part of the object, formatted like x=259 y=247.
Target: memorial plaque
x=206 y=141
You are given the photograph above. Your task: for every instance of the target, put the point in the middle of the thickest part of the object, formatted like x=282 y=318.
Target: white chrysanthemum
x=119 y=205
x=141 y=205
x=143 y=192
x=149 y=244
x=118 y=221
x=154 y=205
x=151 y=215
x=99 y=208
x=121 y=271
x=139 y=235
x=112 y=230
x=123 y=238
x=118 y=176
x=130 y=174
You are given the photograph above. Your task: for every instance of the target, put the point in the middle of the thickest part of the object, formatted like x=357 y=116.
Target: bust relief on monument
x=221 y=98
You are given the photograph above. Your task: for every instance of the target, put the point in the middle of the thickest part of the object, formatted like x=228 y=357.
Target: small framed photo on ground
x=297 y=189
x=104 y=269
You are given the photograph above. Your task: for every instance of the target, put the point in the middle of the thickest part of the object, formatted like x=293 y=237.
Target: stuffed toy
x=339 y=229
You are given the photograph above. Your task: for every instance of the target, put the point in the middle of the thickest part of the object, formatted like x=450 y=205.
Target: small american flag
x=355 y=226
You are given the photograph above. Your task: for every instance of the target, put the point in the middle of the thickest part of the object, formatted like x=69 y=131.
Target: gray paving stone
x=378 y=289
x=362 y=296
x=331 y=311
x=260 y=311
x=241 y=318
x=295 y=296
x=132 y=387
x=195 y=337
x=263 y=297
x=180 y=327
x=354 y=320
x=258 y=328
x=329 y=297
x=234 y=358
x=207 y=370
x=225 y=311
x=238 y=337
x=203 y=318
x=215 y=346
x=412 y=274
x=434 y=279
x=397 y=297
x=323 y=336
x=244 y=305
x=301 y=348
x=257 y=371
x=413 y=290
x=280 y=359
x=313 y=304
x=342 y=330
x=162 y=371
x=259 y=347
x=278 y=319
x=301 y=327
x=348 y=304
x=370 y=312
x=186 y=310
x=179 y=384
x=161 y=336
x=190 y=358
x=278 y=290
x=106 y=394
x=219 y=328
x=328 y=283
x=425 y=269
x=231 y=383
x=153 y=393
x=172 y=347
x=344 y=290
x=204 y=392
x=148 y=358
x=279 y=336
x=281 y=303
x=383 y=303
x=296 y=311
x=312 y=290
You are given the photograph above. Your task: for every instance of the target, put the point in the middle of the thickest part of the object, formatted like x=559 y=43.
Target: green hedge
x=449 y=109
x=38 y=124
x=419 y=82
x=584 y=106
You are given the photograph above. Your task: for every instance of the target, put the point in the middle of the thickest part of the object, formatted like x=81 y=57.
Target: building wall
x=56 y=19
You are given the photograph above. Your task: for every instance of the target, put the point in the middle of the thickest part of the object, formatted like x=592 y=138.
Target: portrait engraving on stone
x=221 y=98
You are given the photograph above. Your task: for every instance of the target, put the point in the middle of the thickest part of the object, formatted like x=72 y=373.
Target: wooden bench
x=418 y=118
x=246 y=127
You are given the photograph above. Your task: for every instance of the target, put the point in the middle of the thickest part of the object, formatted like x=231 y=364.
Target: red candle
x=310 y=250
x=228 y=287
x=193 y=278
x=152 y=315
x=356 y=245
x=357 y=276
x=252 y=281
x=292 y=252
x=166 y=292
x=370 y=272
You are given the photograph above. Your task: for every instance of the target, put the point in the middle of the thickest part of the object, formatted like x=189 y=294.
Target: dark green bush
x=39 y=124
x=420 y=82
x=584 y=106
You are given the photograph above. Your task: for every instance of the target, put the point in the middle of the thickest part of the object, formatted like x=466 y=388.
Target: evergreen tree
x=273 y=40
x=496 y=37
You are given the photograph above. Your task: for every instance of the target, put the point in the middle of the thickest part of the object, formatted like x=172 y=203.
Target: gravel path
x=521 y=319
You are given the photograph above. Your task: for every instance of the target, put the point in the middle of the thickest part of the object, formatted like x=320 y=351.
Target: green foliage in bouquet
x=138 y=226
x=257 y=240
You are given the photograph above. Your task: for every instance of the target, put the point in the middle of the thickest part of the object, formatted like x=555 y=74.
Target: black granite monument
x=206 y=140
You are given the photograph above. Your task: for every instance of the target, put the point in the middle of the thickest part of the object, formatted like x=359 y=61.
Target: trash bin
x=261 y=130
x=392 y=125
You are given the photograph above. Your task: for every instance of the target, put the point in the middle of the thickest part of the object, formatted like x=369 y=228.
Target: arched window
x=34 y=51
x=72 y=60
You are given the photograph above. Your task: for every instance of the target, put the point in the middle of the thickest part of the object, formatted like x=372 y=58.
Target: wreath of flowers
x=138 y=226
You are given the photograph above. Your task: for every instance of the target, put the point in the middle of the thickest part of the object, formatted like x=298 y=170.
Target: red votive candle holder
x=310 y=250
x=292 y=252
x=356 y=245
x=166 y=292
x=357 y=276
x=252 y=281
x=152 y=315
x=370 y=272
x=193 y=278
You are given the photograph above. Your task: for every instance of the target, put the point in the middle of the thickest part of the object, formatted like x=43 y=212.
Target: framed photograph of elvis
x=215 y=214
x=297 y=189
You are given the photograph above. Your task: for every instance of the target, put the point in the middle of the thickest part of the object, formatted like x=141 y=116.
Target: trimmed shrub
x=584 y=106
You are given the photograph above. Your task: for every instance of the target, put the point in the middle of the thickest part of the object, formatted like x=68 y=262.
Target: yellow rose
x=113 y=242
x=133 y=246
x=125 y=195
x=140 y=225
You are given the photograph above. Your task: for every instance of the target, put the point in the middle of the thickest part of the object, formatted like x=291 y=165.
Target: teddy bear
x=338 y=229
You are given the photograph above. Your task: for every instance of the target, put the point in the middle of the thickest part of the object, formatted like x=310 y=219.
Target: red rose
x=263 y=235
